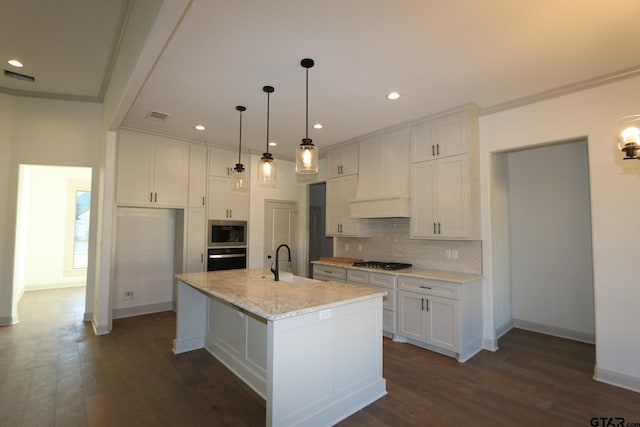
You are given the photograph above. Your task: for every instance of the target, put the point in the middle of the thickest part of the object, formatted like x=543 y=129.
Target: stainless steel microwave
x=227 y=233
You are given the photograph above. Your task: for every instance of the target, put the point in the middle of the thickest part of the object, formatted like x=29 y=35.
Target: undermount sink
x=290 y=278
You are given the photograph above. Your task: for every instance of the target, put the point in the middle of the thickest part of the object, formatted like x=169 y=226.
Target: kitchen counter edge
x=445 y=276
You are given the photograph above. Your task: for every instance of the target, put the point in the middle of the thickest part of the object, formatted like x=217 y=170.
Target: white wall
x=615 y=203
x=287 y=188
x=7 y=293
x=44 y=132
x=550 y=229
x=44 y=229
x=144 y=261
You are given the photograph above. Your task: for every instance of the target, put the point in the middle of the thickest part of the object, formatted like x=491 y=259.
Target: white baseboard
x=617 y=379
x=119 y=313
x=88 y=316
x=490 y=344
x=503 y=329
x=555 y=331
x=7 y=321
x=100 y=329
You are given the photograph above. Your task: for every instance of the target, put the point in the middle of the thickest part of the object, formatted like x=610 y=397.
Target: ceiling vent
x=19 y=76
x=157 y=115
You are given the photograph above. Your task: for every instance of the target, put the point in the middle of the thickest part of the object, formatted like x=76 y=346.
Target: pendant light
x=266 y=166
x=307 y=154
x=239 y=176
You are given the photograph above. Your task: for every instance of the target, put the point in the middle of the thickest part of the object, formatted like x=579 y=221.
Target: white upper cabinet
x=445 y=189
x=152 y=171
x=441 y=137
x=223 y=203
x=342 y=161
x=222 y=161
x=338 y=221
x=197 y=175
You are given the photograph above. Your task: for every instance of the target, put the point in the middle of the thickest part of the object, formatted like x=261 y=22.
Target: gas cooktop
x=382 y=265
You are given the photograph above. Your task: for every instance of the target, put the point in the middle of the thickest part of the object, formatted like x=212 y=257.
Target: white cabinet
x=441 y=200
x=441 y=316
x=338 y=222
x=223 y=203
x=152 y=171
x=342 y=161
x=196 y=240
x=380 y=282
x=442 y=137
x=197 y=175
x=445 y=191
x=329 y=272
x=222 y=162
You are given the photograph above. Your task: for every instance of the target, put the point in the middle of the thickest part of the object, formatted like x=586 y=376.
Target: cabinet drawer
x=383 y=280
x=429 y=287
x=389 y=300
x=339 y=273
x=358 y=276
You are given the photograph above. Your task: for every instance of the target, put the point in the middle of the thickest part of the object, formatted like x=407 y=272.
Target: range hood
x=383 y=176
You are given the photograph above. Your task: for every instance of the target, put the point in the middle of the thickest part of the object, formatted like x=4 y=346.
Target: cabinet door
x=171 y=172
x=334 y=209
x=342 y=161
x=453 y=197
x=196 y=240
x=350 y=226
x=218 y=199
x=423 y=142
x=423 y=200
x=452 y=136
x=197 y=175
x=134 y=177
x=222 y=161
x=411 y=322
x=238 y=203
x=442 y=324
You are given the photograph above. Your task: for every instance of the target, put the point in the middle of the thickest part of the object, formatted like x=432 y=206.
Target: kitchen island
x=312 y=349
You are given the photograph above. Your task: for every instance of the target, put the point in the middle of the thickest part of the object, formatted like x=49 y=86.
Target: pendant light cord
x=268 y=96
x=240 y=142
x=307 y=108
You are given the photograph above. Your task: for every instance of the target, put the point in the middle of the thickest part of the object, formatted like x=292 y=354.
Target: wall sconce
x=629 y=136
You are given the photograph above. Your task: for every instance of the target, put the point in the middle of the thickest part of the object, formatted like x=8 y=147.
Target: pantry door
x=281 y=225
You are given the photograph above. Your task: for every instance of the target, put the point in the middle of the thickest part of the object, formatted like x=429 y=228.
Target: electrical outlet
x=128 y=296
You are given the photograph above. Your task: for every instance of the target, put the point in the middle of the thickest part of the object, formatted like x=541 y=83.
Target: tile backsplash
x=390 y=241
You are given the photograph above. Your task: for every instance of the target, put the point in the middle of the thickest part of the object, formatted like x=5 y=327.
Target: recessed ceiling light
x=273 y=144
x=317 y=126
x=200 y=127
x=393 y=96
x=15 y=63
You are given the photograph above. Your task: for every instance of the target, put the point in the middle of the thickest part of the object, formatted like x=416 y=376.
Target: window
x=81 y=229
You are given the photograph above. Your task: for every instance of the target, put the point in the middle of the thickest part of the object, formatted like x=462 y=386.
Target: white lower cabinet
x=441 y=316
x=379 y=282
x=329 y=272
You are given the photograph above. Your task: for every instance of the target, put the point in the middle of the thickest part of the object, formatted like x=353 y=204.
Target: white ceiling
x=438 y=54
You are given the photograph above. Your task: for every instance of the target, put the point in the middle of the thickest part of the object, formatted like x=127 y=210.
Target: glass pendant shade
x=267 y=166
x=267 y=170
x=239 y=175
x=306 y=157
x=629 y=136
x=239 y=179
x=306 y=153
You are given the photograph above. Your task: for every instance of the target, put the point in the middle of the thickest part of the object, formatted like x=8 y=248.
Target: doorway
x=541 y=220
x=281 y=225
x=52 y=228
x=319 y=244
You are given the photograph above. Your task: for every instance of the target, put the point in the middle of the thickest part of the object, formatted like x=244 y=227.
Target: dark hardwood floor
x=55 y=372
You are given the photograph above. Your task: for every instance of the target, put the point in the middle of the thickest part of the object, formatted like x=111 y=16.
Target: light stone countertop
x=446 y=276
x=255 y=291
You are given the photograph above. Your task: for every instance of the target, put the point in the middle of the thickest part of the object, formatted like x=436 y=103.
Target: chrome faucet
x=276 y=271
